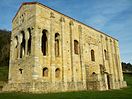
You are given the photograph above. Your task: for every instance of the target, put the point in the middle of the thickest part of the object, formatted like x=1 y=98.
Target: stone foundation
x=44 y=87
x=47 y=87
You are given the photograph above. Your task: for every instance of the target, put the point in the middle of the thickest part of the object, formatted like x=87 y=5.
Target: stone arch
x=92 y=55
x=76 y=47
x=57 y=42
x=44 y=46
x=94 y=76
x=45 y=72
x=57 y=72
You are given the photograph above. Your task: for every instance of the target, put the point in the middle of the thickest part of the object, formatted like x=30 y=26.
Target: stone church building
x=52 y=52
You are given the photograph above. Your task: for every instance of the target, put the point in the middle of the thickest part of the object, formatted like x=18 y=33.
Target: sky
x=114 y=17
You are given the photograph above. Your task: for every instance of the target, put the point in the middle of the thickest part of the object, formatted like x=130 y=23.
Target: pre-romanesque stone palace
x=52 y=52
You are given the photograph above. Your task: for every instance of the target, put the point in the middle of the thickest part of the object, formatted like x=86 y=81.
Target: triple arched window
x=22 y=43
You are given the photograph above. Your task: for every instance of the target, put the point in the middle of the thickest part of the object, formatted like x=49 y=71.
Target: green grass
x=125 y=93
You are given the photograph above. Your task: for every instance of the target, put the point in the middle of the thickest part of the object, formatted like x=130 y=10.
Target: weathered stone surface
x=51 y=52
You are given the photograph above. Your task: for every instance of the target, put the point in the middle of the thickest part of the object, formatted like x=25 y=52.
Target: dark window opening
x=57 y=73
x=45 y=72
x=57 y=38
x=93 y=73
x=16 y=48
x=92 y=55
x=108 y=81
x=22 y=48
x=20 y=70
x=29 y=42
x=44 y=42
x=106 y=55
x=76 y=47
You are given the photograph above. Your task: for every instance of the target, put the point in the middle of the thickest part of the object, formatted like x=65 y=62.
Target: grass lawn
x=125 y=93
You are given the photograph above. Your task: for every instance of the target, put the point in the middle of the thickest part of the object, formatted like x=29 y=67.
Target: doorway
x=108 y=81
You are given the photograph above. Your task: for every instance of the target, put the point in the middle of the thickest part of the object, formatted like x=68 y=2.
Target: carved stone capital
x=71 y=23
x=20 y=38
x=62 y=19
x=110 y=40
x=52 y=15
x=101 y=36
x=106 y=38
x=27 y=35
x=80 y=28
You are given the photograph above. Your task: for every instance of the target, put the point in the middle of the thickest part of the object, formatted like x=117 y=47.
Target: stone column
x=13 y=47
x=64 y=65
x=71 y=47
x=80 y=49
x=82 y=65
x=120 y=66
x=35 y=70
x=102 y=48
x=40 y=42
x=11 y=61
x=114 y=64
x=52 y=43
x=120 y=75
x=111 y=64
x=26 y=45
x=103 y=77
x=116 y=61
x=107 y=53
x=19 y=44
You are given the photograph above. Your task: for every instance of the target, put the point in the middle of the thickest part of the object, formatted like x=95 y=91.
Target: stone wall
x=46 y=87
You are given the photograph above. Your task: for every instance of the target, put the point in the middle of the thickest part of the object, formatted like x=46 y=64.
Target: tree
x=4 y=47
x=126 y=66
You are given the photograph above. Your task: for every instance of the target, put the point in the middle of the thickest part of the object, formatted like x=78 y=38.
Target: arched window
x=106 y=54
x=76 y=47
x=92 y=55
x=22 y=48
x=94 y=76
x=29 y=42
x=45 y=72
x=20 y=70
x=16 y=47
x=57 y=73
x=57 y=47
x=44 y=46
